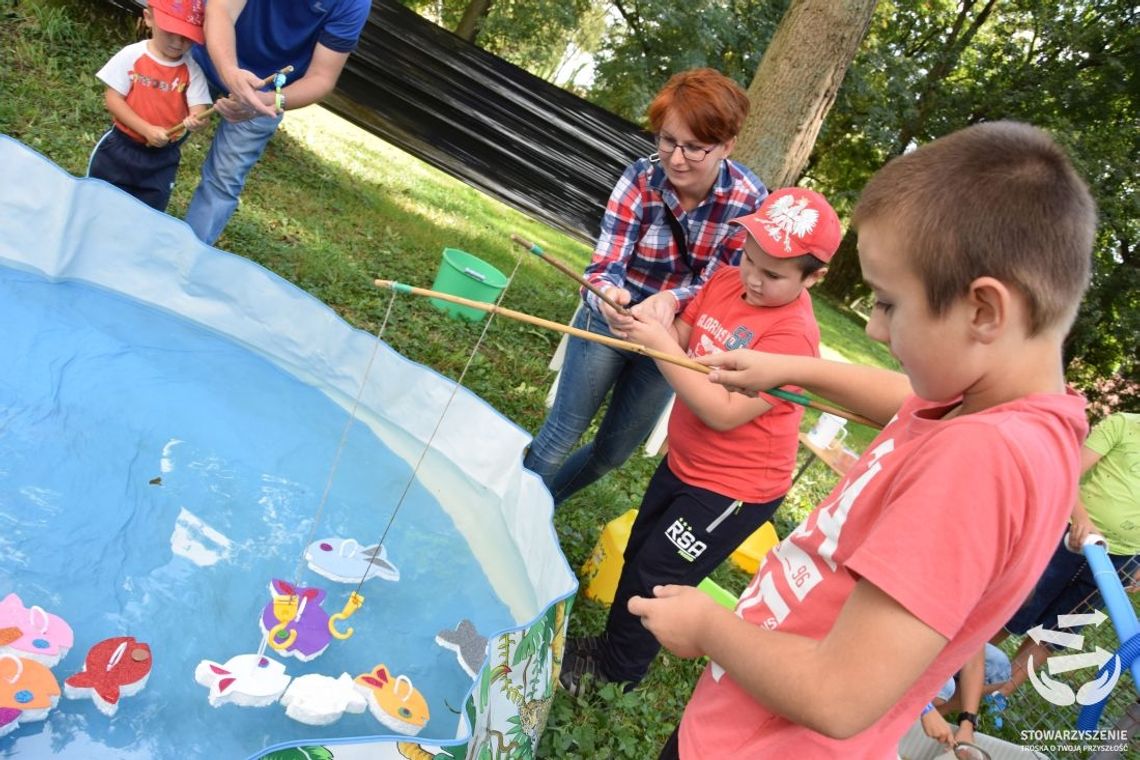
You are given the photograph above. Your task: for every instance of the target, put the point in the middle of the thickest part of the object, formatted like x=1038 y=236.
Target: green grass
x=330 y=208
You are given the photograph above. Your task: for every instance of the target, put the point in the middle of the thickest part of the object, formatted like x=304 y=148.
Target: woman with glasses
x=665 y=231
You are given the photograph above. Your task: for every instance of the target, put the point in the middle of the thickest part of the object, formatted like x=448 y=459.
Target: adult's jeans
x=589 y=371
x=237 y=146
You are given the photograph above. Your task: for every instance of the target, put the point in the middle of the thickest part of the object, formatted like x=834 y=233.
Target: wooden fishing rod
x=622 y=345
x=264 y=82
x=566 y=270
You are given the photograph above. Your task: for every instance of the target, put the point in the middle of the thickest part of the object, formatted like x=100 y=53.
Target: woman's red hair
x=710 y=104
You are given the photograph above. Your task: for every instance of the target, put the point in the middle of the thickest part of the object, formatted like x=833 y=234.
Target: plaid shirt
x=636 y=249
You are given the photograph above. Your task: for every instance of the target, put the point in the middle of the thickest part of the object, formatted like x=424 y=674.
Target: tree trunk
x=469 y=24
x=796 y=84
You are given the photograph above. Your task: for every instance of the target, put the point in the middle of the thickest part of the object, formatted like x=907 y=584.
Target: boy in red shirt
x=730 y=458
x=152 y=86
x=977 y=247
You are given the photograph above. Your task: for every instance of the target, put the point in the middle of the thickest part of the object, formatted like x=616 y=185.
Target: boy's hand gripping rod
x=561 y=267
x=267 y=81
x=623 y=345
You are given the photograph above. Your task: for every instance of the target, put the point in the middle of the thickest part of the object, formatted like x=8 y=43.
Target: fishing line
x=438 y=424
x=335 y=464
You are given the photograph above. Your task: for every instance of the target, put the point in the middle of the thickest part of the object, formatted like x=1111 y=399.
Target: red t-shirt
x=161 y=92
x=753 y=461
x=971 y=506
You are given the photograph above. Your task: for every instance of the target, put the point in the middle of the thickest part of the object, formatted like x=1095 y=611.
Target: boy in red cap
x=730 y=458
x=152 y=86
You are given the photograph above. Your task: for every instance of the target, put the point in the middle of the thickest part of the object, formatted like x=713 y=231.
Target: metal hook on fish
x=354 y=603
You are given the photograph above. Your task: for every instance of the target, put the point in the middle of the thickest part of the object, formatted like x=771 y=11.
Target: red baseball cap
x=793 y=221
x=183 y=17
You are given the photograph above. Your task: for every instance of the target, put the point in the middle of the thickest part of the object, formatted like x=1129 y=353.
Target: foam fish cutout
x=469 y=645
x=394 y=701
x=249 y=680
x=114 y=668
x=28 y=691
x=44 y=637
x=345 y=561
x=320 y=700
x=310 y=622
x=9 y=719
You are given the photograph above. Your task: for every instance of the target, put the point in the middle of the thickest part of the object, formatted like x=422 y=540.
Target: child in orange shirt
x=730 y=458
x=152 y=86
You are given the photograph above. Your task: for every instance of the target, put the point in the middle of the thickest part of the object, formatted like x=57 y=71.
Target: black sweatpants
x=146 y=173
x=681 y=534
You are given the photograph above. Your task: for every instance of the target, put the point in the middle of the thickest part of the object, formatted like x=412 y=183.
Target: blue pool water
x=100 y=395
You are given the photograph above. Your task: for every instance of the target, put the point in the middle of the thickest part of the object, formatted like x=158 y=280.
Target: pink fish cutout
x=114 y=668
x=44 y=637
x=249 y=680
x=311 y=622
x=26 y=687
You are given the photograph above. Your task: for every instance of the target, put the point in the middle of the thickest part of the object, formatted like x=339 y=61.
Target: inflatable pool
x=186 y=440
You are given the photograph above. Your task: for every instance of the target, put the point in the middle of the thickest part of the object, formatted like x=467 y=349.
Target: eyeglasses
x=690 y=152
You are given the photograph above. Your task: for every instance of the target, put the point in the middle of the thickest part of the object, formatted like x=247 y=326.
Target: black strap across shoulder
x=680 y=239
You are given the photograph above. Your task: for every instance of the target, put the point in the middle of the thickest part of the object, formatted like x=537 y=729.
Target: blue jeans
x=234 y=151
x=589 y=371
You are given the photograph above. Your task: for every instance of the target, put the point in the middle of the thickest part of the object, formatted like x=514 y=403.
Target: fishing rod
x=263 y=83
x=623 y=345
x=566 y=270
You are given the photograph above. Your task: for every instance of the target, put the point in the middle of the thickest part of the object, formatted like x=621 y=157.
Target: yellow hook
x=354 y=602
x=285 y=610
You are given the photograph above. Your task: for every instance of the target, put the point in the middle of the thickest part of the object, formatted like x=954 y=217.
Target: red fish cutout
x=115 y=668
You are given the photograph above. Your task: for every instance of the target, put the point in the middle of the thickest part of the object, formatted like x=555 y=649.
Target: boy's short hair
x=795 y=223
x=710 y=104
x=999 y=199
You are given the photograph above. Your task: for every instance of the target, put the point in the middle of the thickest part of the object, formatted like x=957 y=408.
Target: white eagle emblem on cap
x=789 y=216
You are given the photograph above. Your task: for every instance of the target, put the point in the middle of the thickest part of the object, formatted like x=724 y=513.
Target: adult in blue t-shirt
x=246 y=41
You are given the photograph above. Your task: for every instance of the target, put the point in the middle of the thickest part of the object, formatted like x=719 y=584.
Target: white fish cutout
x=345 y=561
x=320 y=700
x=249 y=680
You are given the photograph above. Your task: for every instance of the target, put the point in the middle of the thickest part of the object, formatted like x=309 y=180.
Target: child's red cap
x=793 y=221
x=183 y=17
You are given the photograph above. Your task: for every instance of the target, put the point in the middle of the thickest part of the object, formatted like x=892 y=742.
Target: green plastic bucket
x=461 y=274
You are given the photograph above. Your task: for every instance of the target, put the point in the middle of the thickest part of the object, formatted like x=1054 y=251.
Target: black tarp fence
x=535 y=146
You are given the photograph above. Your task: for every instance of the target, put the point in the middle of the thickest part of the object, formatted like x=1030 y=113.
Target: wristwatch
x=972 y=717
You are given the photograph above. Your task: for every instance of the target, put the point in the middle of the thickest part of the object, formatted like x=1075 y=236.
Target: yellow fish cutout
x=393 y=700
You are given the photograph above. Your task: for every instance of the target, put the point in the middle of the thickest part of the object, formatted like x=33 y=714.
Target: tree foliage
x=655 y=39
x=1068 y=66
x=536 y=35
x=926 y=68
